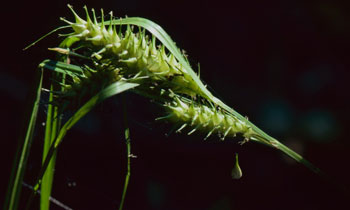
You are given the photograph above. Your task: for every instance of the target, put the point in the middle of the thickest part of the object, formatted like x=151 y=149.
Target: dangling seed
x=236 y=172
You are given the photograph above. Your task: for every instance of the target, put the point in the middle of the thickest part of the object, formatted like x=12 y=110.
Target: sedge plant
x=101 y=58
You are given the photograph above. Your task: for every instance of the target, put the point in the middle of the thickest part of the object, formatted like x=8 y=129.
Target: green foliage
x=51 y=128
x=20 y=162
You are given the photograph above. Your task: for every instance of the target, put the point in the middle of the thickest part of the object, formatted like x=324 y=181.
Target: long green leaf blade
x=61 y=67
x=14 y=189
x=50 y=134
x=111 y=90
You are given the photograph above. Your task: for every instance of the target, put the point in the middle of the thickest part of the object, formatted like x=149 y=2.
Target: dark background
x=282 y=63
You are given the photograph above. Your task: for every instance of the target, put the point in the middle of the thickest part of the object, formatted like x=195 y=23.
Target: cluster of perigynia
x=120 y=53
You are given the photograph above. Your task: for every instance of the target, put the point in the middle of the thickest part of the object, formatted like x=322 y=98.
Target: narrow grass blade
x=61 y=67
x=51 y=129
x=113 y=89
x=20 y=162
x=52 y=124
x=47 y=142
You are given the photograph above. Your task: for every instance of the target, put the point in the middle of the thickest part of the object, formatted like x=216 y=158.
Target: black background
x=285 y=64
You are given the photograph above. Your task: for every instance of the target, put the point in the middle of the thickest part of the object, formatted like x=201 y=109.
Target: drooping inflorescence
x=109 y=56
x=133 y=53
x=202 y=117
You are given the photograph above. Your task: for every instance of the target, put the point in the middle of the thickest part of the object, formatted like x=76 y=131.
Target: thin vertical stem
x=20 y=162
x=50 y=133
x=52 y=128
x=128 y=153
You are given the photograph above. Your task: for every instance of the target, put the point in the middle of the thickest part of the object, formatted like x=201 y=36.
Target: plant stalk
x=111 y=90
x=128 y=155
x=20 y=162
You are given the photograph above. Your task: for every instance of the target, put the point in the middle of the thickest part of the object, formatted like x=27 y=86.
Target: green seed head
x=206 y=118
x=136 y=53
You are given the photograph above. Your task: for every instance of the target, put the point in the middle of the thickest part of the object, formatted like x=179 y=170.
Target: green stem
x=111 y=90
x=128 y=155
x=20 y=162
x=50 y=134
